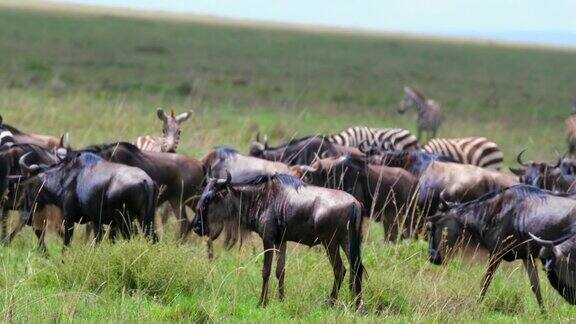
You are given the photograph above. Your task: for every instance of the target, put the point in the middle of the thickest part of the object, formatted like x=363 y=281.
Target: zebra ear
x=161 y=114
x=183 y=117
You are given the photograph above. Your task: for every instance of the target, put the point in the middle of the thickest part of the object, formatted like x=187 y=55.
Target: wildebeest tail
x=355 y=238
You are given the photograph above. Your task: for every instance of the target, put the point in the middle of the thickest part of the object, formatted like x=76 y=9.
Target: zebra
x=477 y=151
x=430 y=115
x=384 y=139
x=170 y=138
x=570 y=130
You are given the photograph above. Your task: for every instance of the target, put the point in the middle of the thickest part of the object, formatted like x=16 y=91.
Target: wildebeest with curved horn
x=89 y=189
x=20 y=137
x=544 y=175
x=458 y=182
x=503 y=222
x=179 y=177
x=386 y=193
x=302 y=151
x=281 y=208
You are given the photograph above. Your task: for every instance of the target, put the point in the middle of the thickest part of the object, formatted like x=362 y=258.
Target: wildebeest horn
x=258 y=137
x=24 y=166
x=519 y=158
x=443 y=201
x=560 y=158
x=434 y=218
x=550 y=244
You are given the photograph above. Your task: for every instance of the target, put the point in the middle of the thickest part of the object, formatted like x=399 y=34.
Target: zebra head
x=171 y=128
x=409 y=100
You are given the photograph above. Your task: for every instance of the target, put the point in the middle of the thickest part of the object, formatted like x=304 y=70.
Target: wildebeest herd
x=319 y=189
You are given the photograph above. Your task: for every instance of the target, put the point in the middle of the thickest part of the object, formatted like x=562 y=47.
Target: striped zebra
x=477 y=151
x=384 y=139
x=429 y=113
x=170 y=138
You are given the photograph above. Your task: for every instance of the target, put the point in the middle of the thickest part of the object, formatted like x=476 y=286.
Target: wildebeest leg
x=41 y=234
x=280 y=264
x=68 y=231
x=266 y=269
x=534 y=280
x=98 y=231
x=493 y=264
x=180 y=212
x=4 y=220
x=333 y=252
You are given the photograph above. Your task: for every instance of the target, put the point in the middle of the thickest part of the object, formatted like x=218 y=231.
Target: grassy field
x=101 y=76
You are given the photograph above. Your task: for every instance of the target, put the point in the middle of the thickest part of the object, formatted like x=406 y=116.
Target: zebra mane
x=417 y=93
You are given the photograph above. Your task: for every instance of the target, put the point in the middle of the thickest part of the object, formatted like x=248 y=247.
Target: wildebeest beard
x=237 y=208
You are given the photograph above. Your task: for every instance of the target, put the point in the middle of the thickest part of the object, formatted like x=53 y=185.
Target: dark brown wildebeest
x=457 y=182
x=544 y=175
x=281 y=208
x=387 y=194
x=502 y=222
x=11 y=181
x=179 y=177
x=222 y=160
x=301 y=151
x=12 y=134
x=90 y=189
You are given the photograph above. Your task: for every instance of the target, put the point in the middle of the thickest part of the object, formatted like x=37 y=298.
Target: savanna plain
x=100 y=77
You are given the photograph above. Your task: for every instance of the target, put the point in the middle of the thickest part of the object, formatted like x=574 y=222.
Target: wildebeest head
x=171 y=128
x=444 y=233
x=542 y=175
x=214 y=192
x=257 y=148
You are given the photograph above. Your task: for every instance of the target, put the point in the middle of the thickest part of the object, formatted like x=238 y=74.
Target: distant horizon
x=522 y=22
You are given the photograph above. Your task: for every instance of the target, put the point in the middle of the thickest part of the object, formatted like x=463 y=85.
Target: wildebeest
x=301 y=151
x=11 y=178
x=502 y=222
x=20 y=137
x=179 y=177
x=544 y=175
x=89 y=189
x=281 y=208
x=170 y=138
x=457 y=182
x=387 y=194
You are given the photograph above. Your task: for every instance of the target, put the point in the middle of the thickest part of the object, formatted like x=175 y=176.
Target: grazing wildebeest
x=429 y=112
x=222 y=160
x=502 y=221
x=457 y=182
x=170 y=138
x=544 y=175
x=179 y=177
x=301 y=151
x=90 y=189
x=387 y=194
x=12 y=175
x=20 y=137
x=281 y=208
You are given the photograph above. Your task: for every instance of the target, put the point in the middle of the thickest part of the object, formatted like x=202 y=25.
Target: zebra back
x=384 y=138
x=477 y=151
x=149 y=143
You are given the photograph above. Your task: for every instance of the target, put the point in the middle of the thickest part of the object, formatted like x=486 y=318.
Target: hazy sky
x=552 y=21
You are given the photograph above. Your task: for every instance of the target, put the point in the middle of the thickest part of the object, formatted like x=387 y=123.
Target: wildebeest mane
x=297 y=141
x=223 y=152
x=12 y=129
x=102 y=147
x=277 y=178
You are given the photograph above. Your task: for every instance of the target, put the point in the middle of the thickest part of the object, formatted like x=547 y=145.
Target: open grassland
x=100 y=77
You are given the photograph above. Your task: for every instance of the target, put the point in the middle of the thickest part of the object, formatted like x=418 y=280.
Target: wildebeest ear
x=183 y=117
x=61 y=153
x=518 y=172
x=1 y=119
x=161 y=114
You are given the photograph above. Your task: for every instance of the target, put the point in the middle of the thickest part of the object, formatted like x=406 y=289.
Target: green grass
x=240 y=80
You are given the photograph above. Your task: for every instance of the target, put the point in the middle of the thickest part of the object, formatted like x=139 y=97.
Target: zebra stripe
x=385 y=138
x=149 y=143
x=471 y=150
